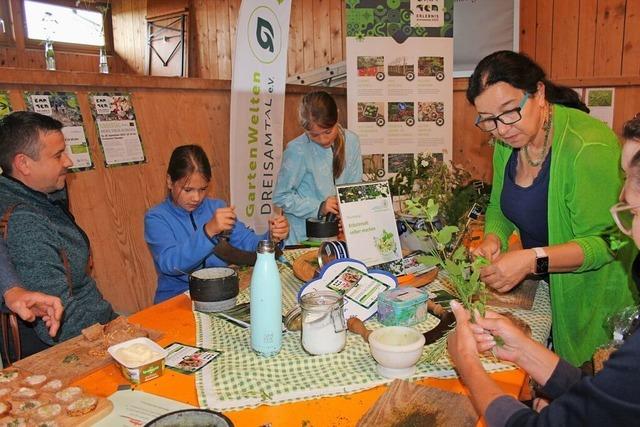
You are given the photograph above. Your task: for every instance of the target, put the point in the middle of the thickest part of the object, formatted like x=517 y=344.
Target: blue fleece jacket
x=178 y=243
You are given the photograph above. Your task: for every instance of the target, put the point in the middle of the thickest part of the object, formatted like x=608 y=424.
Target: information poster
x=400 y=80
x=600 y=102
x=369 y=222
x=117 y=128
x=64 y=107
x=5 y=104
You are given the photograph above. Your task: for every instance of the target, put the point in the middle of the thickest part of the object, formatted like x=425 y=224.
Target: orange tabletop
x=175 y=319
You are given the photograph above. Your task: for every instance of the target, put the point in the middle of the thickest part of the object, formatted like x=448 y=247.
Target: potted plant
x=428 y=177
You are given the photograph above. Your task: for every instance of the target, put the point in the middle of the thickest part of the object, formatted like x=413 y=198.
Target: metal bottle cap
x=266 y=246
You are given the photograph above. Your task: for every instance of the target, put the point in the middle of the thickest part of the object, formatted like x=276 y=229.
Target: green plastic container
x=402 y=306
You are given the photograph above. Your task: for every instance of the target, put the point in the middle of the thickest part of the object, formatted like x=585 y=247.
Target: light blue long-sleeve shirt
x=178 y=243
x=306 y=179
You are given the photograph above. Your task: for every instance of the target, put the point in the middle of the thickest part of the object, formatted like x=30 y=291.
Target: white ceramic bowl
x=396 y=349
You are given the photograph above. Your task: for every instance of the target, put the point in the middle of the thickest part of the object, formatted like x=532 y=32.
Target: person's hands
x=223 y=220
x=278 y=228
x=513 y=339
x=508 y=270
x=28 y=305
x=330 y=205
x=489 y=248
x=461 y=342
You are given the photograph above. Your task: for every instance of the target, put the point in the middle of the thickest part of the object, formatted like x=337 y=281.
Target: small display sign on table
x=369 y=223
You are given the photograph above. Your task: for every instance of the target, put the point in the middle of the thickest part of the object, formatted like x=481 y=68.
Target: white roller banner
x=257 y=107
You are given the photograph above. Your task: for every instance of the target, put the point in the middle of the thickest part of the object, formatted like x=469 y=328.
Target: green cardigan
x=585 y=181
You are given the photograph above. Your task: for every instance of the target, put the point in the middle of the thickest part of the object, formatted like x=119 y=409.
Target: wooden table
x=175 y=318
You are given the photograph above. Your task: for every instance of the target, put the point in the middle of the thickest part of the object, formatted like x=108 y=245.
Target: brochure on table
x=358 y=285
x=369 y=223
x=136 y=408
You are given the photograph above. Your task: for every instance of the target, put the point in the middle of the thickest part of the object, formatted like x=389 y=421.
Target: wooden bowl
x=306 y=265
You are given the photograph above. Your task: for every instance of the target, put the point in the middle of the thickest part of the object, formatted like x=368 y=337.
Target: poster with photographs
x=64 y=107
x=117 y=128
x=400 y=80
x=5 y=104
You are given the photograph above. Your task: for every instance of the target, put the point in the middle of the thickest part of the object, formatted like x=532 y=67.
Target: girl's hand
x=330 y=206
x=278 y=228
x=223 y=220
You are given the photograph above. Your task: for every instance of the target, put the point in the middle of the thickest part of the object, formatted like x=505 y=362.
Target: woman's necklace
x=545 y=147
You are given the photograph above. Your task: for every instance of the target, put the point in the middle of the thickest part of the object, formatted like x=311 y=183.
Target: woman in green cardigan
x=555 y=175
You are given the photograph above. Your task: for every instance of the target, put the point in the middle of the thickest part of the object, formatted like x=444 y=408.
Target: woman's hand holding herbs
x=497 y=334
x=507 y=341
x=461 y=342
x=509 y=269
x=489 y=248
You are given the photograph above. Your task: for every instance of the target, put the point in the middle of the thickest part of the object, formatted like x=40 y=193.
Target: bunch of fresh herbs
x=463 y=272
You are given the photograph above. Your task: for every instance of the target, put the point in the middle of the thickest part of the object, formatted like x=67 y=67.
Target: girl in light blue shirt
x=313 y=163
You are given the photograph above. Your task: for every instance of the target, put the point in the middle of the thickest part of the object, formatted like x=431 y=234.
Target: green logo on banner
x=265 y=35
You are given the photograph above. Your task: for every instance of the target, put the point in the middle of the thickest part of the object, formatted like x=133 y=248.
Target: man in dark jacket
x=49 y=250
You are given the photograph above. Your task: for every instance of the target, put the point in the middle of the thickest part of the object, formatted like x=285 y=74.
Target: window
x=5 y=23
x=71 y=25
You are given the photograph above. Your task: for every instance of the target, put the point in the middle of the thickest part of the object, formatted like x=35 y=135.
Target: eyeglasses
x=510 y=117
x=623 y=216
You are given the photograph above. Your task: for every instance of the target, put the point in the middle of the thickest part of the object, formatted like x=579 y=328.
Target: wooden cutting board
x=71 y=359
x=408 y=404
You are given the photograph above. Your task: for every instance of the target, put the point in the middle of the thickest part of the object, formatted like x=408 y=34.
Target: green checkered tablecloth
x=239 y=378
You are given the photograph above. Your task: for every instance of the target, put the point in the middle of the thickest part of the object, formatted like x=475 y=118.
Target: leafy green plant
x=463 y=273
x=449 y=185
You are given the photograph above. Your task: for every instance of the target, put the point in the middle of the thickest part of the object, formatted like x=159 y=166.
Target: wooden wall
x=316 y=33
x=582 y=38
x=588 y=43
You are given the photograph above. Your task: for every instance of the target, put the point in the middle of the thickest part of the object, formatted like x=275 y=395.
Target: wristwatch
x=542 y=262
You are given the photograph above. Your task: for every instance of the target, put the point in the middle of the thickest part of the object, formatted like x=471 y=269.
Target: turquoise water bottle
x=266 y=302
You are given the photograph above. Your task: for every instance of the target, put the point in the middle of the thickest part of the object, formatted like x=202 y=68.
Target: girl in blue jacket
x=314 y=162
x=183 y=231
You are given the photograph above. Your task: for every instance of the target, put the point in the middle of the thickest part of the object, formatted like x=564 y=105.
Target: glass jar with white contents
x=323 y=323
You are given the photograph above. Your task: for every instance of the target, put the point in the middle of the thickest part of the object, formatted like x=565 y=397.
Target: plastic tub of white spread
x=140 y=359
